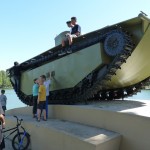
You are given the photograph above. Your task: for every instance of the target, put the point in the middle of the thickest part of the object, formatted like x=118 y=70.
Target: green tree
x=4 y=80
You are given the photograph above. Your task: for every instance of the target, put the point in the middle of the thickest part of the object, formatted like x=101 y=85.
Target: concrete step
x=57 y=134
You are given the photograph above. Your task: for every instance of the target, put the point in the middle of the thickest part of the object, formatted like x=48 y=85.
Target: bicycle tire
x=15 y=141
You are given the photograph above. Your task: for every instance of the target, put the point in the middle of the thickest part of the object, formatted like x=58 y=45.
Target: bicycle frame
x=21 y=141
x=14 y=130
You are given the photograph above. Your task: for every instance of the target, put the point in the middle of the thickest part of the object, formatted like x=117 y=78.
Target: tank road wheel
x=114 y=43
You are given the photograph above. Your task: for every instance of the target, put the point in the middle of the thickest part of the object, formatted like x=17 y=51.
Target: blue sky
x=28 y=27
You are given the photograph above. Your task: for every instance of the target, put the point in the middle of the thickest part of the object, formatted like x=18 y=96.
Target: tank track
x=93 y=86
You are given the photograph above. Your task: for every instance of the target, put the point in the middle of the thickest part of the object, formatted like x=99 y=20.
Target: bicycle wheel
x=17 y=139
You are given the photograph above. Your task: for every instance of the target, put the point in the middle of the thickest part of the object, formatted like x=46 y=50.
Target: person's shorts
x=73 y=35
x=69 y=35
x=42 y=105
x=4 y=108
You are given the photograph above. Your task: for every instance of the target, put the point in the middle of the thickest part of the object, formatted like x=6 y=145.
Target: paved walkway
x=141 y=108
x=8 y=145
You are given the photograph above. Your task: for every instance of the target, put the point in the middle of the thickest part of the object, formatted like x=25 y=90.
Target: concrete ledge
x=134 y=128
x=63 y=135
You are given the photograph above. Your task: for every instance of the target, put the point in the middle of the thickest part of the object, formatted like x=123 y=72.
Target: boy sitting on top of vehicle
x=74 y=32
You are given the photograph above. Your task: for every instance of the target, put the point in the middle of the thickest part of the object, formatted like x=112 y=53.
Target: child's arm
x=38 y=98
x=48 y=75
x=2 y=119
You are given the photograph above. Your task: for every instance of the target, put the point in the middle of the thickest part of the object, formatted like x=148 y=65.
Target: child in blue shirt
x=35 y=90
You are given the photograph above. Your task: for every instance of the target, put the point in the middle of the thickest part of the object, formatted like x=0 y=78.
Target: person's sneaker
x=69 y=51
x=38 y=120
x=62 y=53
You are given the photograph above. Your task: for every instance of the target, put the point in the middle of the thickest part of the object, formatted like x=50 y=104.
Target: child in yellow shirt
x=41 y=100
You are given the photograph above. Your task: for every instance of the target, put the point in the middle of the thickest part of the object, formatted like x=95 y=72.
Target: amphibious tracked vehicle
x=106 y=64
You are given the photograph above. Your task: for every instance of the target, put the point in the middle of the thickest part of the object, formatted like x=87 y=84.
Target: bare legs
x=63 y=52
x=69 y=39
x=63 y=43
x=39 y=114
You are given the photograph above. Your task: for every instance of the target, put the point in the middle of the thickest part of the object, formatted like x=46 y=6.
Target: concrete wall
x=43 y=138
x=135 y=130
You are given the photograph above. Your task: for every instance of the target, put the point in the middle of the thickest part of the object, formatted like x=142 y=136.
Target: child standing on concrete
x=35 y=90
x=41 y=99
x=47 y=83
x=3 y=100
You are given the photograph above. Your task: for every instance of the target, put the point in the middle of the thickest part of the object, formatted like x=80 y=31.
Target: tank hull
x=69 y=70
